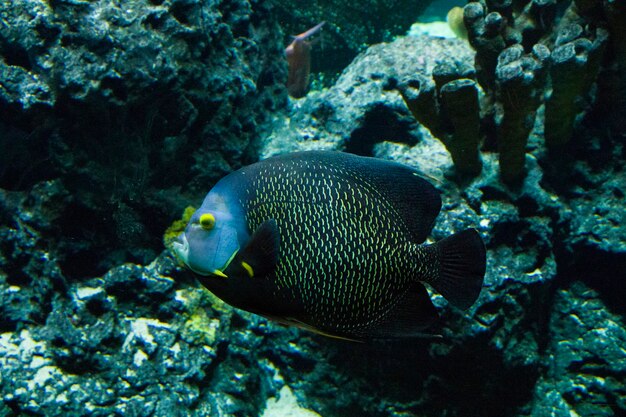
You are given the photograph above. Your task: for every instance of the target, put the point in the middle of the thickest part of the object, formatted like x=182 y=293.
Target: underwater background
x=117 y=115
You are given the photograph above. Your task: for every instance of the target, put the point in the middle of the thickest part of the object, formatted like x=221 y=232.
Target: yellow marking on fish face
x=219 y=273
x=230 y=259
x=248 y=269
x=207 y=221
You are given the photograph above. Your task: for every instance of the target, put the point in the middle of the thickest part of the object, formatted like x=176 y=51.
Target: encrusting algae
x=176 y=228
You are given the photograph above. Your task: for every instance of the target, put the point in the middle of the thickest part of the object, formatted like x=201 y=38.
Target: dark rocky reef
x=129 y=104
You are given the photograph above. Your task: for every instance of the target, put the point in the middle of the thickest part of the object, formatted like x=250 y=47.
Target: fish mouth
x=181 y=248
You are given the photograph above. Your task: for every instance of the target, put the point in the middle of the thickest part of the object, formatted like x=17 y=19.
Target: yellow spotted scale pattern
x=346 y=253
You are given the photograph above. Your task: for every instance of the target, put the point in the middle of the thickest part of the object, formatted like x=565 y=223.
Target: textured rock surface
x=363 y=108
x=350 y=27
x=131 y=102
x=584 y=357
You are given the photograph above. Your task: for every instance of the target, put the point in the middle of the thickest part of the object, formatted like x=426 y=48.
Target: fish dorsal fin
x=260 y=256
x=416 y=200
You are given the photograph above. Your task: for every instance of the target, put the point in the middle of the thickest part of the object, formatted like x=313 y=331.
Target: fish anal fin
x=411 y=317
x=301 y=325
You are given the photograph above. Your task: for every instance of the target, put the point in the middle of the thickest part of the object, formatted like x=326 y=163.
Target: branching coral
x=575 y=62
x=528 y=54
x=519 y=84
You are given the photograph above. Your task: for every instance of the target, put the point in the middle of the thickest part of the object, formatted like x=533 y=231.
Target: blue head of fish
x=214 y=235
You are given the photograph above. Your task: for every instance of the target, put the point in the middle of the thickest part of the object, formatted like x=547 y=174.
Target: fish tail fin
x=462 y=268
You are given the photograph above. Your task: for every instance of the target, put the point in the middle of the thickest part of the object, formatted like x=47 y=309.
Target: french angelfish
x=331 y=242
x=298 y=55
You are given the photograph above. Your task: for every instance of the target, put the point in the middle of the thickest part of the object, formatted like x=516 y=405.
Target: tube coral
x=448 y=106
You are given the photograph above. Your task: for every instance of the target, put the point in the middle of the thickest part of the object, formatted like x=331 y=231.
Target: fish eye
x=207 y=221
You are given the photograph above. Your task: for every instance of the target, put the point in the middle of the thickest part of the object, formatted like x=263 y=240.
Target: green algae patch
x=176 y=228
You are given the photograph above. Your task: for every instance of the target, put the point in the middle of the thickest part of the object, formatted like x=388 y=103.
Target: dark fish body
x=334 y=245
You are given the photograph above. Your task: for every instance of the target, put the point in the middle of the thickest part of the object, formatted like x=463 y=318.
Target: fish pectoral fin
x=219 y=273
x=260 y=256
x=411 y=317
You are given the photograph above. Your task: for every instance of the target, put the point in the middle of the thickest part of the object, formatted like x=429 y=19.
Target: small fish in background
x=298 y=55
x=331 y=242
x=456 y=23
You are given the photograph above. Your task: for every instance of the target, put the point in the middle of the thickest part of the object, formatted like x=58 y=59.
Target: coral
x=615 y=12
x=459 y=100
x=485 y=35
x=420 y=95
x=455 y=21
x=448 y=107
x=574 y=66
x=572 y=69
x=528 y=54
x=519 y=85
x=177 y=227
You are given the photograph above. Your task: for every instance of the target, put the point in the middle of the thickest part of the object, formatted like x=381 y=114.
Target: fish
x=298 y=55
x=331 y=242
